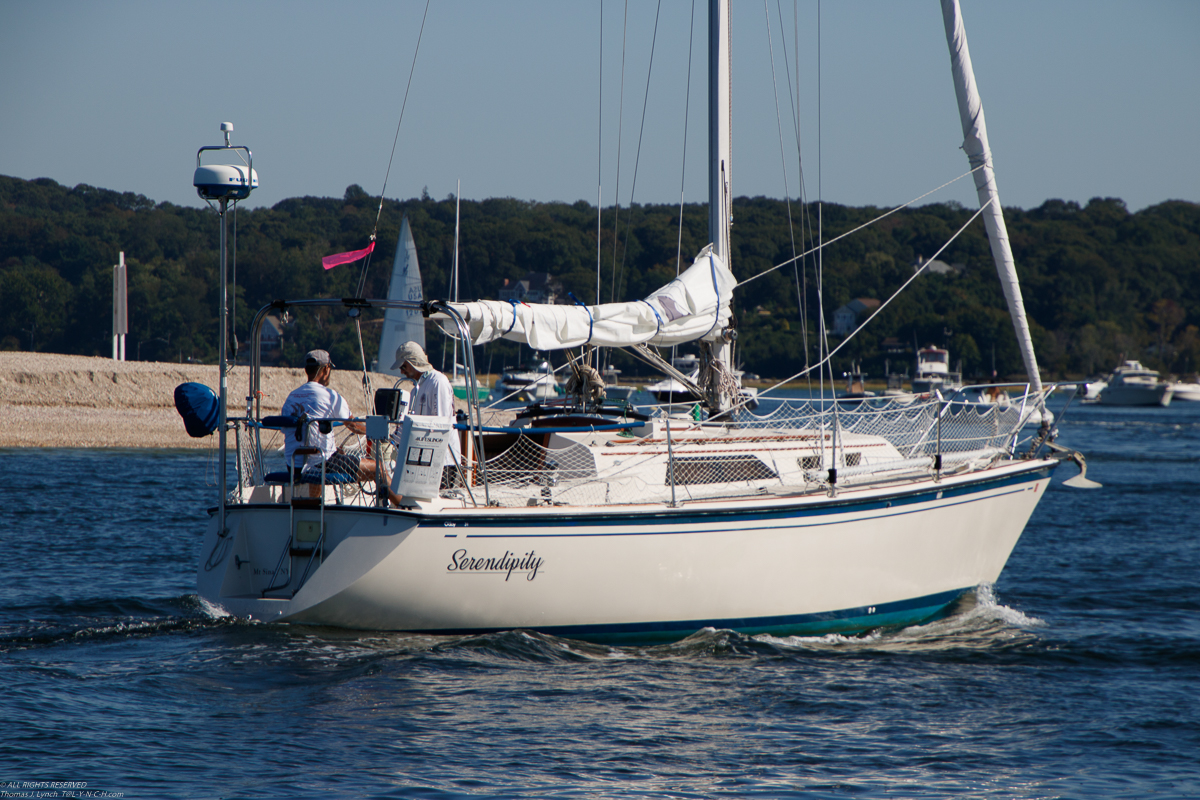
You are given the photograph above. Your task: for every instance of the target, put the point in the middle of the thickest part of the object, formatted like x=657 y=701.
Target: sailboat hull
x=786 y=566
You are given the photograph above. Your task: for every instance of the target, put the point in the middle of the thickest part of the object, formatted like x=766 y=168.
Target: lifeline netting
x=791 y=449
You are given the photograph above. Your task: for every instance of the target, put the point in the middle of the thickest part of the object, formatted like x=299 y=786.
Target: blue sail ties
x=579 y=302
x=514 y=322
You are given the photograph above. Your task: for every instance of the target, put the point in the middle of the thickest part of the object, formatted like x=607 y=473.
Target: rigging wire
x=620 y=129
x=600 y=150
x=855 y=230
x=787 y=194
x=362 y=279
x=823 y=339
x=638 y=155
x=799 y=271
x=783 y=156
x=687 y=104
x=917 y=273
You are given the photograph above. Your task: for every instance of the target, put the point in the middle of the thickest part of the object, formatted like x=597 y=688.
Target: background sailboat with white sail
x=402 y=325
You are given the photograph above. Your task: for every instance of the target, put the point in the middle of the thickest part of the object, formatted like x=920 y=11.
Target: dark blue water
x=1077 y=675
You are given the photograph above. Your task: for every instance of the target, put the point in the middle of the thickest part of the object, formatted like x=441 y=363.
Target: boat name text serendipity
x=507 y=563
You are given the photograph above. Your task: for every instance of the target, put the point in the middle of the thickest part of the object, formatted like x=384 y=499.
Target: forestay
x=696 y=305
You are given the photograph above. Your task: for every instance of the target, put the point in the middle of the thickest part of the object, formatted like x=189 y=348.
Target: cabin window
x=719 y=469
x=814 y=462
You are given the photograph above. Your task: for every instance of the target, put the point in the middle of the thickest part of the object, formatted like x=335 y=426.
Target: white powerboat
x=1132 y=384
x=528 y=383
x=596 y=524
x=673 y=391
x=933 y=372
x=1189 y=391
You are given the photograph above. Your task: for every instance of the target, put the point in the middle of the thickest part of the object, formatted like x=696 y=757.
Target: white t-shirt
x=434 y=397
x=317 y=402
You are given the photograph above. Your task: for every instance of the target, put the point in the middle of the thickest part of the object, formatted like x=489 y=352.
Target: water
x=1076 y=676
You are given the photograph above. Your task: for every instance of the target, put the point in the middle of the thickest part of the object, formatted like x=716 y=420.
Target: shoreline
x=49 y=400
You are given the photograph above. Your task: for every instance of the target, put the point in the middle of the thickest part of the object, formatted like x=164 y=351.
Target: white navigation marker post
x=120 y=310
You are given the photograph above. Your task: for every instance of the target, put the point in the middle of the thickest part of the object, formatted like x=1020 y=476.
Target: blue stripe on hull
x=845 y=621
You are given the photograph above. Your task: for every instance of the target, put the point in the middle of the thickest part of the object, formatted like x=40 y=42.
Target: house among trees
x=535 y=287
x=845 y=319
x=938 y=267
x=271 y=342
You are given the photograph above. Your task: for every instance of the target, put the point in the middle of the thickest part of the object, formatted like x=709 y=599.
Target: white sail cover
x=696 y=305
x=402 y=325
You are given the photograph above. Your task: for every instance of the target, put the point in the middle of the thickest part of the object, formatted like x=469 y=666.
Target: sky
x=543 y=101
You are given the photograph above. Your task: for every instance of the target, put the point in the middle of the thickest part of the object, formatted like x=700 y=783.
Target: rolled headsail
x=696 y=305
x=975 y=143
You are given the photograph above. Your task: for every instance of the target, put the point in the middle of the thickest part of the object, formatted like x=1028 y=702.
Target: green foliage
x=1098 y=282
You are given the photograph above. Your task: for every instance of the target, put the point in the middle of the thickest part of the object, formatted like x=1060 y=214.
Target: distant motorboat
x=671 y=391
x=855 y=385
x=933 y=372
x=1186 y=391
x=1132 y=384
x=527 y=383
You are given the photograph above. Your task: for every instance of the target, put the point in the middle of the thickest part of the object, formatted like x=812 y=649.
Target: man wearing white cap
x=433 y=397
x=315 y=400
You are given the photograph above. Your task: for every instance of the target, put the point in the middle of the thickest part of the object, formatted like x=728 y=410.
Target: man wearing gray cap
x=315 y=400
x=433 y=397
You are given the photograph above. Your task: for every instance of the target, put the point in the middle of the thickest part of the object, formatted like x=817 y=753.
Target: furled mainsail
x=696 y=305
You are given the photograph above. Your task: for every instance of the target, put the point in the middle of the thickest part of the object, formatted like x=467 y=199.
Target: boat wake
x=55 y=621
x=977 y=621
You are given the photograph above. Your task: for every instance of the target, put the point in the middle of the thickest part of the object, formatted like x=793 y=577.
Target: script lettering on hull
x=527 y=564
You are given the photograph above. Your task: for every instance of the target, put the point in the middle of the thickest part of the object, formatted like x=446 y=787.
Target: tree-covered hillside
x=1099 y=282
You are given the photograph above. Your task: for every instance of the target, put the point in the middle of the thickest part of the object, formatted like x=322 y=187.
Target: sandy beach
x=51 y=400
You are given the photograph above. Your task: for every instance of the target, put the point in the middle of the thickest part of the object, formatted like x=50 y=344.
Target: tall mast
x=720 y=163
x=720 y=146
x=979 y=153
x=457 y=203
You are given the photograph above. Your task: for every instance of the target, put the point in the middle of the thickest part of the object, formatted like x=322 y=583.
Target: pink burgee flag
x=337 y=259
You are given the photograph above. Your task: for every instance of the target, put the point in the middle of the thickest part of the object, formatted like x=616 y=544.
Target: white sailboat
x=604 y=526
x=402 y=324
